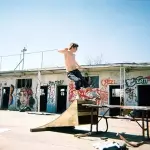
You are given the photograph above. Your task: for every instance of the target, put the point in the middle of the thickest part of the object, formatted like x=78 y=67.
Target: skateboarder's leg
x=73 y=75
x=84 y=83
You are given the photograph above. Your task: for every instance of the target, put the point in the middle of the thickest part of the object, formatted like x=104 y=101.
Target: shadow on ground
x=110 y=135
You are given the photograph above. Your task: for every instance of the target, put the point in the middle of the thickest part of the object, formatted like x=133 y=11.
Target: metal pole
x=39 y=90
x=20 y=61
x=120 y=84
x=23 y=57
x=42 y=61
x=18 y=64
x=124 y=83
x=23 y=61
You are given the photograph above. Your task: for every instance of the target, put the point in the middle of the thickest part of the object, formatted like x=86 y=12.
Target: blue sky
x=117 y=29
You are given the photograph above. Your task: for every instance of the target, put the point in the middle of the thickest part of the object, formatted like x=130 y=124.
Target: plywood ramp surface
x=67 y=119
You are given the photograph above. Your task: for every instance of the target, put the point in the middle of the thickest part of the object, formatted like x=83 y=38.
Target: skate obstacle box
x=75 y=115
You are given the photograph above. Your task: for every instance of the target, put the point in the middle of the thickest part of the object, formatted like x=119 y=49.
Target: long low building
x=49 y=89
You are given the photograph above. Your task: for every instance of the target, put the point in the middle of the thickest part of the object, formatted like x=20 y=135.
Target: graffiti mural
x=11 y=96
x=134 y=81
x=51 y=94
x=25 y=98
x=51 y=89
x=130 y=93
x=106 y=82
x=131 y=89
x=85 y=94
x=58 y=82
x=100 y=93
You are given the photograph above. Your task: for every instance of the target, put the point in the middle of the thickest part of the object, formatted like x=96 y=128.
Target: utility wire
x=30 y=53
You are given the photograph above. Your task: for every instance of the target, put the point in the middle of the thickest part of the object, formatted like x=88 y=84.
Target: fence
x=42 y=59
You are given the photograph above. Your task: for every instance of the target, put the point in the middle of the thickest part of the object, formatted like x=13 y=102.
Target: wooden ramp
x=75 y=115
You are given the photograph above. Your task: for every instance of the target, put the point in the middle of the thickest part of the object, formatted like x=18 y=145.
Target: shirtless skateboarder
x=72 y=68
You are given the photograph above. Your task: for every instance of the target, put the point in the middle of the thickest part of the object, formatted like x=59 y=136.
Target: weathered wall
x=103 y=79
x=101 y=82
x=113 y=77
x=132 y=80
x=19 y=97
x=5 y=82
x=52 y=81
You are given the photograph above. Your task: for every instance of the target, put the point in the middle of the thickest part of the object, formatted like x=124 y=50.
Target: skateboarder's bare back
x=72 y=68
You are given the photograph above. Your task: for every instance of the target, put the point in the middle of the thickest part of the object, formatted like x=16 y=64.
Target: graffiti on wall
x=100 y=93
x=57 y=82
x=107 y=81
x=25 y=97
x=134 y=81
x=131 y=89
x=103 y=91
x=51 y=89
x=11 y=96
x=130 y=92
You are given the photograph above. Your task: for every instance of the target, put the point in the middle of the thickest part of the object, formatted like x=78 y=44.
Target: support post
x=120 y=83
x=124 y=84
x=39 y=90
x=23 y=51
x=20 y=61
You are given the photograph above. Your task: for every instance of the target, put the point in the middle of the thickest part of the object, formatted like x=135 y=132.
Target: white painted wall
x=7 y=81
x=52 y=81
x=104 y=76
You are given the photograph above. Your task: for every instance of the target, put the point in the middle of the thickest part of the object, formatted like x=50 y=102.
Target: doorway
x=5 y=97
x=43 y=98
x=114 y=99
x=61 y=98
x=143 y=93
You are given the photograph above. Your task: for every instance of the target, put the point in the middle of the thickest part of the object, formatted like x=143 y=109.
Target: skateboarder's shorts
x=77 y=77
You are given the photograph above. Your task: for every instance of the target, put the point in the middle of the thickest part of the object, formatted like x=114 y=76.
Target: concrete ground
x=15 y=133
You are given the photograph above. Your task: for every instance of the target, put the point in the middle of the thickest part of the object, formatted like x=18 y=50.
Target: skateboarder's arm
x=63 y=51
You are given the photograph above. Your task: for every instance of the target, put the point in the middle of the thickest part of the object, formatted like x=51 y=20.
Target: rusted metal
x=97 y=121
x=143 y=125
x=147 y=125
x=91 y=118
x=133 y=144
x=144 y=110
x=83 y=135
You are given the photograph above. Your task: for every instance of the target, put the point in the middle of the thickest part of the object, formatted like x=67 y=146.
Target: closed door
x=61 y=98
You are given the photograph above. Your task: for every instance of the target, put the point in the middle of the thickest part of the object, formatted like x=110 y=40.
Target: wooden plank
x=85 y=102
x=86 y=113
x=87 y=119
x=119 y=106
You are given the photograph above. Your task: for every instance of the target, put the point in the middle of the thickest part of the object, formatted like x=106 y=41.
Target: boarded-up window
x=20 y=83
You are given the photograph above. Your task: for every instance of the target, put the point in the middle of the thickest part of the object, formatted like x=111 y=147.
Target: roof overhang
x=88 y=68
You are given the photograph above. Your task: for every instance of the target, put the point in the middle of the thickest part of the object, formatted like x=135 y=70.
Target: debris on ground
x=3 y=130
x=110 y=146
x=133 y=144
x=82 y=135
x=40 y=113
x=104 y=138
